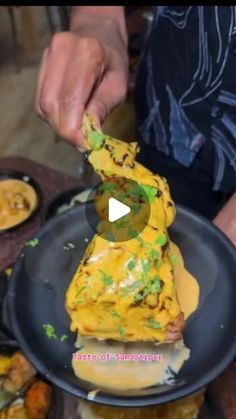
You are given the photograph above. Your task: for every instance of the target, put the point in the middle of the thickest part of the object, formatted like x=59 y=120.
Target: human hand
x=86 y=69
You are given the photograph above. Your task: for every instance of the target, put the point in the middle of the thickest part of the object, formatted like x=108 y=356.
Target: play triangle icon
x=116 y=209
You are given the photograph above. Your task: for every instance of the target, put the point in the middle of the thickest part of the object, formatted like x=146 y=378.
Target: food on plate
x=187 y=408
x=15 y=411
x=37 y=400
x=22 y=395
x=20 y=373
x=144 y=295
x=18 y=200
x=126 y=292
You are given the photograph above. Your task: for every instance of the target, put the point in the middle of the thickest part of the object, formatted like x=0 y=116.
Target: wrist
x=102 y=18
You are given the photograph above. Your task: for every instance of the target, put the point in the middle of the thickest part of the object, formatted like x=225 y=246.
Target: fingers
x=69 y=71
x=111 y=92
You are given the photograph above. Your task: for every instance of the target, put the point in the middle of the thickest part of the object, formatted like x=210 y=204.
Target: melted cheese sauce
x=130 y=375
x=17 y=201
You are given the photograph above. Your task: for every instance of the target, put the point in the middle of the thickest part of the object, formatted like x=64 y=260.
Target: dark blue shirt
x=186 y=88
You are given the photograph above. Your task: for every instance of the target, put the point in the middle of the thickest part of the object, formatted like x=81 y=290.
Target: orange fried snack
x=37 y=400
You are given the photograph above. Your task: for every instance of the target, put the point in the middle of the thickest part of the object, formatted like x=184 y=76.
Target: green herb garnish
x=138 y=297
x=132 y=263
x=108 y=186
x=150 y=192
x=50 y=331
x=96 y=140
x=153 y=286
x=146 y=266
x=109 y=236
x=174 y=259
x=132 y=233
x=135 y=208
x=63 y=338
x=153 y=324
x=154 y=254
x=79 y=291
x=107 y=279
x=121 y=224
x=32 y=243
x=113 y=313
x=161 y=240
x=121 y=331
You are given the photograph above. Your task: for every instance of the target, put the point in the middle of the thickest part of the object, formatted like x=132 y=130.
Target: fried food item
x=126 y=291
x=16 y=411
x=19 y=374
x=187 y=408
x=5 y=363
x=17 y=200
x=37 y=400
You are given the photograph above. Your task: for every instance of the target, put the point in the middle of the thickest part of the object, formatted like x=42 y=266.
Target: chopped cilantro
x=135 y=208
x=108 y=186
x=132 y=233
x=113 y=313
x=138 y=297
x=80 y=302
x=122 y=196
x=121 y=224
x=146 y=266
x=139 y=239
x=121 y=331
x=153 y=286
x=161 y=240
x=153 y=324
x=135 y=191
x=150 y=192
x=63 y=338
x=174 y=259
x=109 y=236
x=50 y=331
x=32 y=243
x=132 y=264
x=156 y=284
x=96 y=140
x=154 y=254
x=107 y=279
x=79 y=291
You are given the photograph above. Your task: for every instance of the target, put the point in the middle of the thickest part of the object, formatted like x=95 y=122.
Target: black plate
x=63 y=198
x=13 y=174
x=40 y=279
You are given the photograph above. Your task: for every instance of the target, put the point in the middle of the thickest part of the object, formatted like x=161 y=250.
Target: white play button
x=116 y=209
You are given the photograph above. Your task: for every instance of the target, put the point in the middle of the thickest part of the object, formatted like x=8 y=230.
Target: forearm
x=107 y=14
x=226 y=219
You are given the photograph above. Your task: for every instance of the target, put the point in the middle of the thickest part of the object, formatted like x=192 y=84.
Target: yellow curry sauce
x=126 y=291
x=17 y=201
x=132 y=375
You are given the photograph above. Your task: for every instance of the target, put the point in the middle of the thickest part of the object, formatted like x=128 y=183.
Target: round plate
x=63 y=198
x=36 y=296
x=24 y=177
